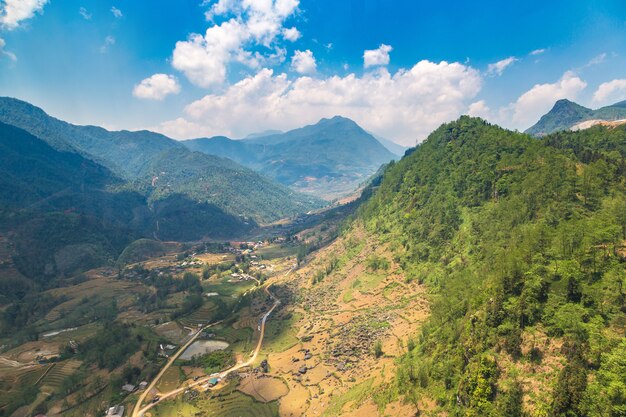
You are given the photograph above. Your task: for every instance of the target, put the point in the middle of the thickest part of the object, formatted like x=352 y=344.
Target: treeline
x=523 y=241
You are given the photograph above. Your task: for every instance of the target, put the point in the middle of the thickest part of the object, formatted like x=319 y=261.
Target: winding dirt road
x=139 y=412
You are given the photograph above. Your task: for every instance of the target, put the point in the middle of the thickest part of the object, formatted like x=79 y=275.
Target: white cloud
x=12 y=12
x=497 y=68
x=291 y=34
x=117 y=13
x=479 y=109
x=303 y=62
x=108 y=41
x=610 y=92
x=538 y=51
x=6 y=53
x=596 y=60
x=375 y=57
x=537 y=101
x=85 y=14
x=405 y=106
x=204 y=59
x=157 y=87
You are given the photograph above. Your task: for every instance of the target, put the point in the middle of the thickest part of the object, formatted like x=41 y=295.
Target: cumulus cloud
x=610 y=92
x=85 y=14
x=12 y=12
x=4 y=52
x=376 y=57
x=405 y=106
x=204 y=58
x=291 y=34
x=157 y=87
x=537 y=101
x=117 y=13
x=303 y=62
x=497 y=68
x=479 y=109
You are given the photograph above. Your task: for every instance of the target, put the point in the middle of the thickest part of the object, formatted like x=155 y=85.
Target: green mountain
x=142 y=156
x=328 y=159
x=565 y=114
x=520 y=243
x=60 y=208
x=125 y=153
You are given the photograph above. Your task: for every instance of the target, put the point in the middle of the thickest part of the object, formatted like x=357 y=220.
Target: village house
x=115 y=411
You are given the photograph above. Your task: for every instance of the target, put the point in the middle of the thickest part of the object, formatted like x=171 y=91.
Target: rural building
x=128 y=387
x=116 y=411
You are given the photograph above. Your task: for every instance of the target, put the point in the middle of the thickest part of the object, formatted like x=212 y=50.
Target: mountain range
x=160 y=166
x=328 y=159
x=567 y=115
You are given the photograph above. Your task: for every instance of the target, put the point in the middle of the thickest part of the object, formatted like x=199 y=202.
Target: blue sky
x=194 y=68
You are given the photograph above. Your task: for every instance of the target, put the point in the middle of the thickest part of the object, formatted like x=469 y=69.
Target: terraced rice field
x=12 y=380
x=54 y=379
x=204 y=315
x=229 y=403
x=241 y=340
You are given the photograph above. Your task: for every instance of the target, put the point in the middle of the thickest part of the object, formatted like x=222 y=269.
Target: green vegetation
x=227 y=403
x=111 y=346
x=566 y=114
x=517 y=237
x=336 y=153
x=355 y=396
x=280 y=334
x=213 y=362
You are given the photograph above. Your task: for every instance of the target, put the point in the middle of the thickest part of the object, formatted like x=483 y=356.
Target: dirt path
x=139 y=412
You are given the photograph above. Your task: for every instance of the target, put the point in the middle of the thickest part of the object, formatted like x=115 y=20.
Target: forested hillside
x=521 y=243
x=328 y=159
x=144 y=157
x=566 y=114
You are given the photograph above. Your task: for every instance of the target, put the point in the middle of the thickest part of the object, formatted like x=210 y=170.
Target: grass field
x=171 y=379
x=229 y=289
x=367 y=281
x=280 y=335
x=240 y=340
x=229 y=403
x=277 y=251
x=355 y=396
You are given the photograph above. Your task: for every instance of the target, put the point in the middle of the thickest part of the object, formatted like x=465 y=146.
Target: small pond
x=202 y=347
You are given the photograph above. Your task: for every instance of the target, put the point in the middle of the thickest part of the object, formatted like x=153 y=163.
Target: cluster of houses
x=241 y=277
x=244 y=248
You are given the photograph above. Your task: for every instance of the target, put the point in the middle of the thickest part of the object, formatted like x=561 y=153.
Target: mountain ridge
x=134 y=157
x=329 y=158
x=565 y=114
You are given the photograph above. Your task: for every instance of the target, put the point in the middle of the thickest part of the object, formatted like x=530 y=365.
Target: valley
x=480 y=274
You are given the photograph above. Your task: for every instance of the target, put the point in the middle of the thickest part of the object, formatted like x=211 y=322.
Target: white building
x=116 y=411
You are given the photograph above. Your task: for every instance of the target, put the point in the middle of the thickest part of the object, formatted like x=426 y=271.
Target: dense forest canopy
x=521 y=242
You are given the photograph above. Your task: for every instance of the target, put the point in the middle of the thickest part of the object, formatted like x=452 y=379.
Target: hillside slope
x=65 y=213
x=328 y=159
x=141 y=157
x=566 y=114
x=521 y=243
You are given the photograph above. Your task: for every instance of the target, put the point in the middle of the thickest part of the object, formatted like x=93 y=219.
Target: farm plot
x=53 y=380
x=226 y=403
